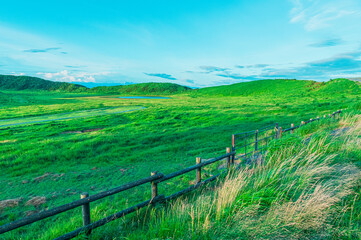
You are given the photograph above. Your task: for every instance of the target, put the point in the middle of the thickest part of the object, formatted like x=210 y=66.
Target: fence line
x=267 y=133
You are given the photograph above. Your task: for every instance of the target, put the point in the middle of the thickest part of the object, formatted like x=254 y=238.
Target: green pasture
x=101 y=145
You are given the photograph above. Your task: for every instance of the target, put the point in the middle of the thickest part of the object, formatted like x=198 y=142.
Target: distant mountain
x=10 y=82
x=142 y=89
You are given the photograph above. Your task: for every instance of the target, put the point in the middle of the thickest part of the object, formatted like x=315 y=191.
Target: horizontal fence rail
x=251 y=141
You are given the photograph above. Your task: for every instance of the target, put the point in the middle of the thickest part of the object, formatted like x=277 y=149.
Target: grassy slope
x=166 y=136
x=308 y=187
x=10 y=82
x=142 y=89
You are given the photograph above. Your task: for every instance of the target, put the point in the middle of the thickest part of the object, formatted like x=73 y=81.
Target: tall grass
x=299 y=191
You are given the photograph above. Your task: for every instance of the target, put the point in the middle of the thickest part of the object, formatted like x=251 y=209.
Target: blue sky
x=195 y=43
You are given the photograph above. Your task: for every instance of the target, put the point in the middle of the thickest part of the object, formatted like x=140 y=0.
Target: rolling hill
x=10 y=82
x=269 y=87
x=283 y=87
x=142 y=89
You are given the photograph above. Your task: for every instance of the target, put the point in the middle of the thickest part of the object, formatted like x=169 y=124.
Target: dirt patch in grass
x=36 y=201
x=9 y=203
x=8 y=141
x=82 y=131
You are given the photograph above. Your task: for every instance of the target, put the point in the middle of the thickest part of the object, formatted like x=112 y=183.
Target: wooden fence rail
x=155 y=179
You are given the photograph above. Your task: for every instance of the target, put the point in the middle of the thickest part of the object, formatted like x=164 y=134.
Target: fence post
x=276 y=130
x=280 y=132
x=245 y=144
x=302 y=123
x=86 y=212
x=198 y=171
x=338 y=114
x=256 y=141
x=318 y=119
x=292 y=126
x=154 y=186
x=228 y=150
x=233 y=158
x=233 y=143
x=311 y=120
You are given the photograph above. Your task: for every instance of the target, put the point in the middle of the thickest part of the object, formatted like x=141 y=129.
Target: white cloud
x=67 y=76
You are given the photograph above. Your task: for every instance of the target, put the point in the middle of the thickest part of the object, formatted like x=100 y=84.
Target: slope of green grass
x=10 y=82
x=307 y=187
x=261 y=87
x=59 y=160
x=142 y=89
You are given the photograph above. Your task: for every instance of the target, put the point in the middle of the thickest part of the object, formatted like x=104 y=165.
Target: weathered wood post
x=233 y=157
x=280 y=132
x=256 y=141
x=292 y=126
x=198 y=171
x=245 y=144
x=85 y=212
x=228 y=150
x=233 y=143
x=154 y=186
x=276 y=131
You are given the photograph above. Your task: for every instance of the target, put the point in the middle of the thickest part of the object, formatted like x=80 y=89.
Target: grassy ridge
x=283 y=87
x=142 y=89
x=10 y=82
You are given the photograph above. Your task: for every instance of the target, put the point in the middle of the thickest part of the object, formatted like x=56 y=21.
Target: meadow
x=59 y=160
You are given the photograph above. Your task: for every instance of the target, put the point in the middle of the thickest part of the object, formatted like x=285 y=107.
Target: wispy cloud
x=239 y=66
x=345 y=64
x=327 y=43
x=190 y=81
x=320 y=14
x=258 y=66
x=42 y=50
x=161 y=75
x=237 y=76
x=210 y=69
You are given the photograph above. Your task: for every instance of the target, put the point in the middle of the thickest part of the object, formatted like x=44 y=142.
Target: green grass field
x=100 y=148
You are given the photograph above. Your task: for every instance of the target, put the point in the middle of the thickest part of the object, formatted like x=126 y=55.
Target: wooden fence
x=256 y=141
x=261 y=138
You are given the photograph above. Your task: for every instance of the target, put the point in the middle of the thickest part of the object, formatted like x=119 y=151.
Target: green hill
x=142 y=89
x=260 y=87
x=10 y=82
x=283 y=87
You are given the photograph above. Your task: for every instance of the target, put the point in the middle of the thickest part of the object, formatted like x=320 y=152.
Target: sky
x=197 y=43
